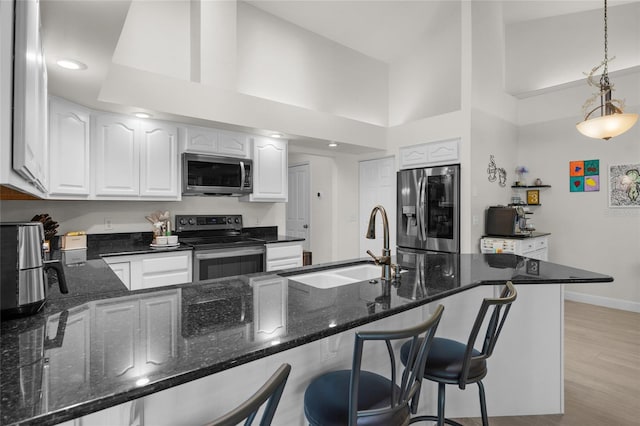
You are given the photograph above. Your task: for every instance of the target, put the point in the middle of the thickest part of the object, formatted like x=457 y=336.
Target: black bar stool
x=452 y=362
x=330 y=399
x=271 y=391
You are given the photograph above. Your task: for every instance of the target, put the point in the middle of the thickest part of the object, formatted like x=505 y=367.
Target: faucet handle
x=376 y=259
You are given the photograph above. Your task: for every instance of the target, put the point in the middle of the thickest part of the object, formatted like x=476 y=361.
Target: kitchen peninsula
x=185 y=352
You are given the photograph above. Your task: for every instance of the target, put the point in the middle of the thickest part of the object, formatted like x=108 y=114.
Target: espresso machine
x=23 y=269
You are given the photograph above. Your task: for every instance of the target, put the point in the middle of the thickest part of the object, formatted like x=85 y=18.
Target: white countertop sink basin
x=330 y=278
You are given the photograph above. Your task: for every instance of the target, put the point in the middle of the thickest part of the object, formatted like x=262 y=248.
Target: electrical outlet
x=108 y=225
x=475 y=219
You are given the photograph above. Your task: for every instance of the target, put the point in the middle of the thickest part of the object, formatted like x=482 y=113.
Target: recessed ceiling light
x=276 y=135
x=71 y=64
x=142 y=115
x=333 y=144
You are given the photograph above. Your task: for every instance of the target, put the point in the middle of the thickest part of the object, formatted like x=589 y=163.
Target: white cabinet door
x=73 y=332
x=115 y=339
x=234 y=144
x=159 y=328
x=116 y=158
x=159 y=160
x=69 y=153
x=201 y=139
x=429 y=154
x=269 y=170
x=269 y=307
x=30 y=97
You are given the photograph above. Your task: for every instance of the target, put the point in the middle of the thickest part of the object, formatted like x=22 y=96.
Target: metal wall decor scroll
x=496 y=173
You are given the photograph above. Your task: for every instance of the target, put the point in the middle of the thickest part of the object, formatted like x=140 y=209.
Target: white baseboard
x=607 y=302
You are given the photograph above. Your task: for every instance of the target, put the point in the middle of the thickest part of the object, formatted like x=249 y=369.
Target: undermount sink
x=330 y=278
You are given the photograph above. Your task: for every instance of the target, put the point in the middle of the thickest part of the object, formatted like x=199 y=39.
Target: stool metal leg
x=483 y=404
x=441 y=397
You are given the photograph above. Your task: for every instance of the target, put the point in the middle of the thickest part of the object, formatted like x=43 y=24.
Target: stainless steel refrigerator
x=429 y=209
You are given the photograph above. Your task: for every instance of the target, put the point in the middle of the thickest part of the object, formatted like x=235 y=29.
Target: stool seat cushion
x=326 y=400
x=444 y=361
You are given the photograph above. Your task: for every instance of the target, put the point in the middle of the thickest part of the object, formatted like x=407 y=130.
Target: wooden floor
x=602 y=371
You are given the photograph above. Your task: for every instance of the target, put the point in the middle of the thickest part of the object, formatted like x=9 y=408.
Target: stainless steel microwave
x=212 y=175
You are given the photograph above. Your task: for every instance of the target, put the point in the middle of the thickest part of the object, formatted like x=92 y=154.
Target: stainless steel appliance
x=219 y=248
x=23 y=270
x=501 y=221
x=212 y=175
x=429 y=209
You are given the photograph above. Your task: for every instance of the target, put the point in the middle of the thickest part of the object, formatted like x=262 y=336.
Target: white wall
x=156 y=37
x=426 y=83
x=585 y=232
x=129 y=216
x=553 y=51
x=285 y=63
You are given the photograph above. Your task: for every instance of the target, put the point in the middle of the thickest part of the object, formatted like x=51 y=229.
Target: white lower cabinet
x=533 y=247
x=149 y=270
x=283 y=256
x=270 y=173
x=270 y=295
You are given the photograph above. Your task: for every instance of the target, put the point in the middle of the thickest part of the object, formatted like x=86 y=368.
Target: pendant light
x=612 y=120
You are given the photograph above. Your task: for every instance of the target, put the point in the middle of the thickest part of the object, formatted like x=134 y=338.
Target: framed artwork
x=584 y=176
x=624 y=185
x=533 y=196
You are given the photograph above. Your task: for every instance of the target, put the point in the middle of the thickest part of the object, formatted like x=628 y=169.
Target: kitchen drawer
x=276 y=265
x=166 y=263
x=284 y=251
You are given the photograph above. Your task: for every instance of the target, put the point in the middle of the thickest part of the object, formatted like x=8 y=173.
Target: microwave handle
x=242 y=175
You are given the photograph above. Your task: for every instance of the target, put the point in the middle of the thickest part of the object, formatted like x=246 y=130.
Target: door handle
x=305 y=226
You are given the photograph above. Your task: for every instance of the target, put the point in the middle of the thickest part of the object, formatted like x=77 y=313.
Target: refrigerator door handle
x=421 y=199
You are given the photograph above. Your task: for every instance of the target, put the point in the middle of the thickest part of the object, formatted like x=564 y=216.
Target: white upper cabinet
x=429 y=154
x=133 y=158
x=201 y=139
x=30 y=134
x=234 y=144
x=116 y=158
x=159 y=160
x=69 y=153
x=269 y=170
x=217 y=142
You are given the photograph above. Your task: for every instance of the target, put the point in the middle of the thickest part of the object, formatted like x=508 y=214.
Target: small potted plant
x=521 y=171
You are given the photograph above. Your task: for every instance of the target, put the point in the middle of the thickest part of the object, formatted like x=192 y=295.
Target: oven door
x=226 y=262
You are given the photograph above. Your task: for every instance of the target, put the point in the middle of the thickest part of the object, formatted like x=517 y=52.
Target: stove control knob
x=229 y=220
x=192 y=221
x=237 y=220
x=183 y=221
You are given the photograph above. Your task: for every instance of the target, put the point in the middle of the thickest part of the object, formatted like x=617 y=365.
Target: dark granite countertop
x=532 y=234
x=72 y=358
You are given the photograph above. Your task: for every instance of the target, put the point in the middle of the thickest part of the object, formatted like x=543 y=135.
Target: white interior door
x=377 y=187
x=298 y=205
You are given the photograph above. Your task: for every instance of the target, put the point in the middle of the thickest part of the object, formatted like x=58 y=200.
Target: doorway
x=298 y=204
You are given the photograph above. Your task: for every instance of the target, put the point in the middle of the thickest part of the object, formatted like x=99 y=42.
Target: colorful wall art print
x=624 y=185
x=584 y=176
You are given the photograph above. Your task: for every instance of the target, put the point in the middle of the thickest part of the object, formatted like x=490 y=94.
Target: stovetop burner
x=213 y=231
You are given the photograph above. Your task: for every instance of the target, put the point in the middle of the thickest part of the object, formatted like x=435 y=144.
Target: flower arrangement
x=521 y=171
